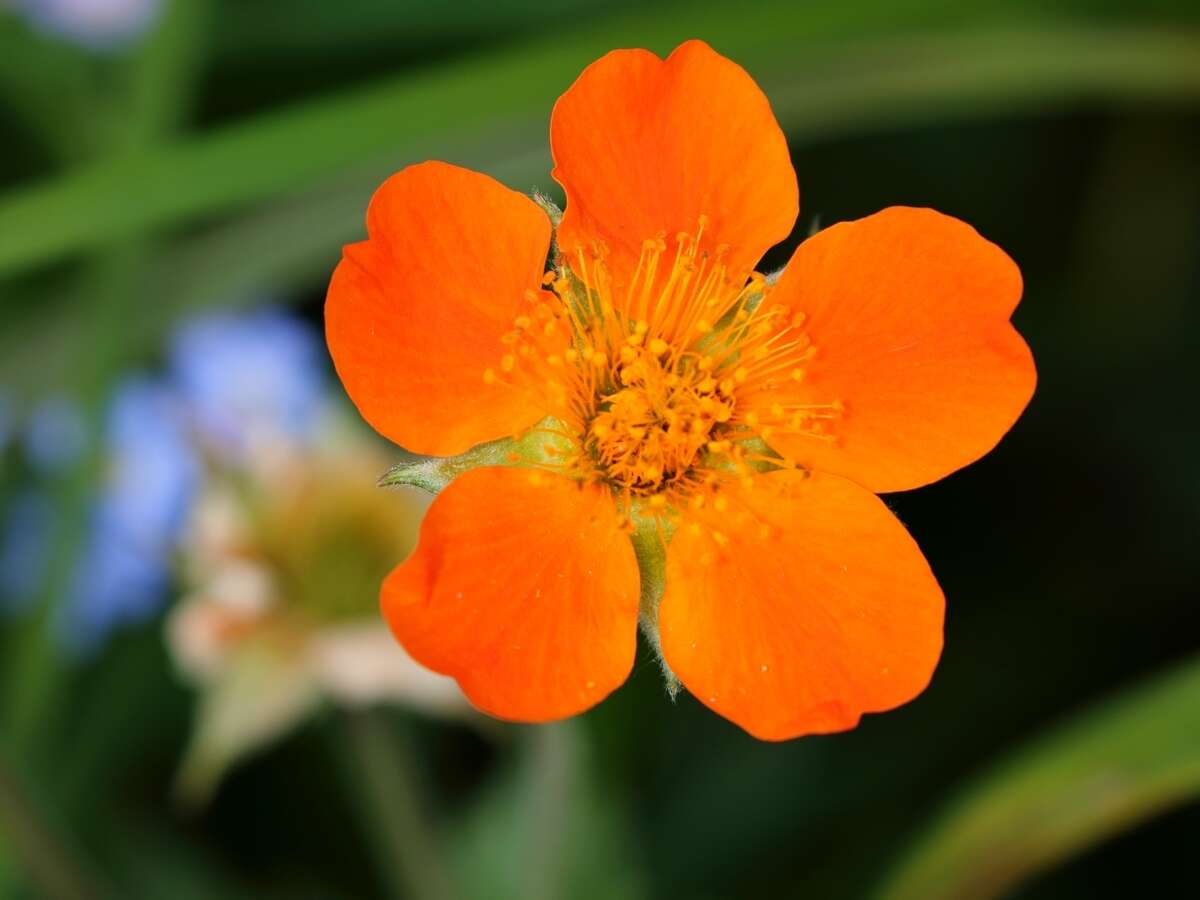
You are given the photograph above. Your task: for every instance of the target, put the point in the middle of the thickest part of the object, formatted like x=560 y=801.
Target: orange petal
x=644 y=146
x=415 y=313
x=809 y=606
x=908 y=310
x=524 y=589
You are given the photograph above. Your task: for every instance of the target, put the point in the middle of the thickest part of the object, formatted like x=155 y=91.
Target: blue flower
x=138 y=516
x=6 y=421
x=96 y=24
x=25 y=537
x=55 y=434
x=249 y=377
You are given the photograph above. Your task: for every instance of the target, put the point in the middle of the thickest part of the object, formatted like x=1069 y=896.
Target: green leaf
x=497 y=103
x=1103 y=772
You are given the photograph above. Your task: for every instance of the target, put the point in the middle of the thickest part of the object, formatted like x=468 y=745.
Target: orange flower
x=656 y=388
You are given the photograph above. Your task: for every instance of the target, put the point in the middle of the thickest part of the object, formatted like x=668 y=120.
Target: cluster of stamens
x=669 y=386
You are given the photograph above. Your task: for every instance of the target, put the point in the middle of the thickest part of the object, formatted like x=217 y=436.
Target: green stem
x=550 y=802
x=383 y=776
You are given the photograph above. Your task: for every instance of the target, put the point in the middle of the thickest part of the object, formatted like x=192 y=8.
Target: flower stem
x=551 y=797
x=381 y=771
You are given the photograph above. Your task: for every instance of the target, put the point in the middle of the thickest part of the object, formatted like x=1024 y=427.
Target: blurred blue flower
x=25 y=536
x=249 y=377
x=6 y=420
x=138 y=516
x=96 y=24
x=55 y=434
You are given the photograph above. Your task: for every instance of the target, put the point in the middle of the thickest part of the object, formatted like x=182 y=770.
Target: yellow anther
x=628 y=354
x=508 y=362
x=719 y=446
x=706 y=363
x=489 y=376
x=658 y=346
x=554 y=360
x=703 y=326
x=522 y=321
x=726 y=386
x=599 y=360
x=720 y=538
x=720 y=504
x=797 y=374
x=752 y=419
x=658 y=501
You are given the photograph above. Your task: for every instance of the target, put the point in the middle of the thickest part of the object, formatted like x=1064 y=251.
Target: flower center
x=659 y=386
x=648 y=434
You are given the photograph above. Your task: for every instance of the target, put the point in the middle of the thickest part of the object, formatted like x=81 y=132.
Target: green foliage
x=1098 y=774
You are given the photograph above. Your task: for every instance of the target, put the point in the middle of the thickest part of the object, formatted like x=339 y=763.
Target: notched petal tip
x=908 y=311
x=814 y=608
x=644 y=146
x=414 y=314
x=524 y=591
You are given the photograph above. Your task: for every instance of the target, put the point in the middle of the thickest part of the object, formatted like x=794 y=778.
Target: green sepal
x=549 y=207
x=650 y=538
x=432 y=473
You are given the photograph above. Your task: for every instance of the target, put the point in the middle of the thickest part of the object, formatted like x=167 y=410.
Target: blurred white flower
x=282 y=565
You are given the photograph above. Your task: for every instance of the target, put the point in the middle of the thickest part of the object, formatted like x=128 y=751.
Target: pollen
x=653 y=383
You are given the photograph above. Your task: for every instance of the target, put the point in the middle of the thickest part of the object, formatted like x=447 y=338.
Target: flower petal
x=415 y=313
x=524 y=588
x=644 y=146
x=908 y=310
x=809 y=606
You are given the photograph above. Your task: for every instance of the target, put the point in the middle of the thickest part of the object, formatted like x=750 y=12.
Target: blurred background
x=197 y=698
